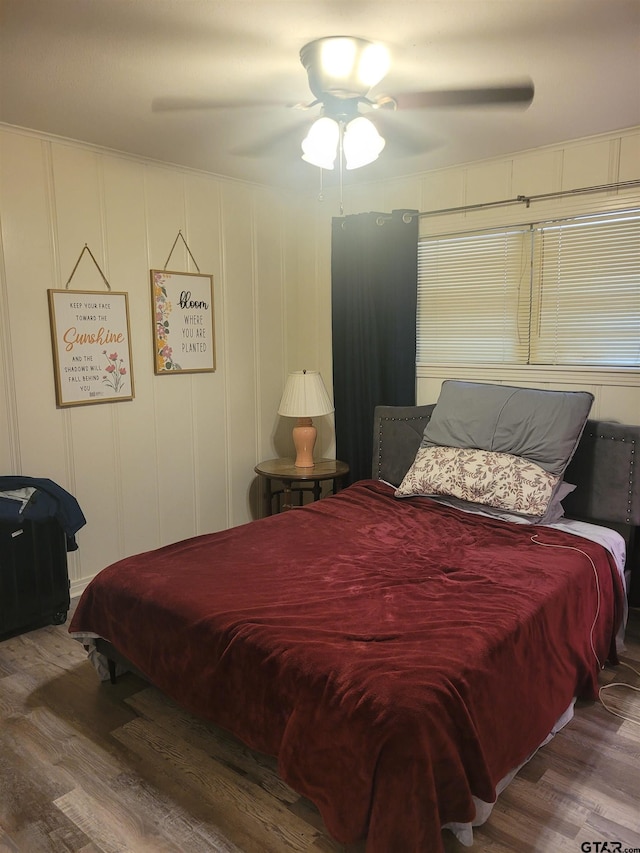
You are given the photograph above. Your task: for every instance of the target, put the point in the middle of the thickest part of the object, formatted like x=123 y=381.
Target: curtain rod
x=523 y=199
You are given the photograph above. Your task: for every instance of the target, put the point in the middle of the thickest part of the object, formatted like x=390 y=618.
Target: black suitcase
x=34 y=579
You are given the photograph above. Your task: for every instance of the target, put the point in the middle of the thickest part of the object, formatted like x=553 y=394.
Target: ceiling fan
x=341 y=72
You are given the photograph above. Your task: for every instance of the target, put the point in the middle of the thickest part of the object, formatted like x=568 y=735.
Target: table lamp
x=304 y=397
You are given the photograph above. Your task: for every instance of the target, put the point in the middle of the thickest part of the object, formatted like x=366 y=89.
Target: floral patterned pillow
x=481 y=476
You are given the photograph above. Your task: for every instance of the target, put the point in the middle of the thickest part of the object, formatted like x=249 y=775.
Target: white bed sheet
x=615 y=544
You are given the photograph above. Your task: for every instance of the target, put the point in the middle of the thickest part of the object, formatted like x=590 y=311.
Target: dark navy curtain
x=374 y=282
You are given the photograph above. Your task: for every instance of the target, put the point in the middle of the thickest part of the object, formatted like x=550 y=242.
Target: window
x=556 y=293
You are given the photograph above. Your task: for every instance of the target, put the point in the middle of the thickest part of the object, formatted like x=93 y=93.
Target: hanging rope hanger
x=180 y=237
x=73 y=271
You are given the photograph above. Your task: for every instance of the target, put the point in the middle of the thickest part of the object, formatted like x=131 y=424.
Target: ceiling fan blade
x=403 y=141
x=285 y=141
x=520 y=94
x=169 y=104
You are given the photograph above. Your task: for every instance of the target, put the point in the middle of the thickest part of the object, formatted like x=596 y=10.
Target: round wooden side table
x=298 y=480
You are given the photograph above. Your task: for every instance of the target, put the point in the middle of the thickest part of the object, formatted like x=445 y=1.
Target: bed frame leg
x=112 y=670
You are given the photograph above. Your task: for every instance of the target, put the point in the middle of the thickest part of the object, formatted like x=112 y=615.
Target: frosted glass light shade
x=305 y=396
x=344 y=66
x=374 y=64
x=362 y=143
x=320 y=146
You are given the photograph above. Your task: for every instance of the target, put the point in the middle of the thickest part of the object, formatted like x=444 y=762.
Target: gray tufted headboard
x=605 y=468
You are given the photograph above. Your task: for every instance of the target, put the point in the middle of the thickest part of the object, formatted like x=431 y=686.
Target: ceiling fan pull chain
x=341 y=157
x=321 y=192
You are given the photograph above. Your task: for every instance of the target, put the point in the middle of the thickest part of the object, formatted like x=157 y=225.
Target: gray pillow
x=539 y=425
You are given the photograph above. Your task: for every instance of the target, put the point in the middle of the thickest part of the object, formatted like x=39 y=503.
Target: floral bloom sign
x=183 y=325
x=91 y=346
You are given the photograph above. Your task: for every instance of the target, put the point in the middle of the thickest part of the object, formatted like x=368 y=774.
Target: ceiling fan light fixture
x=320 y=146
x=344 y=66
x=362 y=143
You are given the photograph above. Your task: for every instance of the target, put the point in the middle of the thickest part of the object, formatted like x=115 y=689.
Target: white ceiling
x=91 y=69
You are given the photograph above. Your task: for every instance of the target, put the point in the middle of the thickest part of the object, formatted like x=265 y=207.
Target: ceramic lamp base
x=304 y=439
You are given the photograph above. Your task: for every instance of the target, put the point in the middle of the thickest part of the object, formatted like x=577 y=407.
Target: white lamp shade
x=305 y=396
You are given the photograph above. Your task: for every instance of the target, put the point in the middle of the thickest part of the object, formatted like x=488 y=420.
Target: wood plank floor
x=88 y=767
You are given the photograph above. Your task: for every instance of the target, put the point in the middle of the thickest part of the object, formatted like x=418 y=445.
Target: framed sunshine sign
x=91 y=347
x=183 y=322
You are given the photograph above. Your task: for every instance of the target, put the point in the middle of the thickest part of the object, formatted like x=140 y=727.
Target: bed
x=401 y=649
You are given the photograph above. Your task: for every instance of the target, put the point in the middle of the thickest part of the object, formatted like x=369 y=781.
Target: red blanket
x=397 y=656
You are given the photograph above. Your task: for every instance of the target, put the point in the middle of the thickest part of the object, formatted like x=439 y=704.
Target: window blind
x=587 y=295
x=558 y=293
x=471 y=303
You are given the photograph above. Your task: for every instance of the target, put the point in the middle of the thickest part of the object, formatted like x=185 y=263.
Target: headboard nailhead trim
x=382 y=420
x=631 y=468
